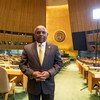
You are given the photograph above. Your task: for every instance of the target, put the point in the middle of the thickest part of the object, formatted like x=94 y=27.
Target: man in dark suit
x=40 y=67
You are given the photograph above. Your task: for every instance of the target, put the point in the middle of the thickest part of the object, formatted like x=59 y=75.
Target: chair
x=6 y=85
x=97 y=88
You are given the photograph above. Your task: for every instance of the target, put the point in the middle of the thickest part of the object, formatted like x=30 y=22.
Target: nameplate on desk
x=92 y=67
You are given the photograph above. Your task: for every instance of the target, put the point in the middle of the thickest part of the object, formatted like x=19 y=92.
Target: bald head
x=40 y=34
x=40 y=27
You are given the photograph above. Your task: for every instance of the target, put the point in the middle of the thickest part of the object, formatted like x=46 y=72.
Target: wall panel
x=81 y=14
x=22 y=15
x=58 y=20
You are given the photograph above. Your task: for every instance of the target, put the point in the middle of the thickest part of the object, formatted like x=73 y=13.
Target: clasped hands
x=40 y=76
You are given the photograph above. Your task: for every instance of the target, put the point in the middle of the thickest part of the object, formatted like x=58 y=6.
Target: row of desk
x=92 y=75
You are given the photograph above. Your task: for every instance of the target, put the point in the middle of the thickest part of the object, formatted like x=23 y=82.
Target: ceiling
x=56 y=2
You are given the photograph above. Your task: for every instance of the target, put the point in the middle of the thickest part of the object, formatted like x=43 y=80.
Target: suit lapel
x=34 y=50
x=47 y=50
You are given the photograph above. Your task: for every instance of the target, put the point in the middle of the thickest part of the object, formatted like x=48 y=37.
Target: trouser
x=43 y=96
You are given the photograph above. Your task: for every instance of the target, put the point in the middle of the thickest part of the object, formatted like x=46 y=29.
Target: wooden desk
x=93 y=78
x=83 y=68
x=18 y=72
x=14 y=71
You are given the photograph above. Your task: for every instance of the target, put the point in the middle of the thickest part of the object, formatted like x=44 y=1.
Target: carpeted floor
x=68 y=84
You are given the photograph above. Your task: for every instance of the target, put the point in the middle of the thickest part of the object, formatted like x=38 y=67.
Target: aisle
x=68 y=84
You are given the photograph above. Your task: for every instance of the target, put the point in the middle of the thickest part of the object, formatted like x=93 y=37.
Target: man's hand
x=45 y=74
x=40 y=76
x=36 y=74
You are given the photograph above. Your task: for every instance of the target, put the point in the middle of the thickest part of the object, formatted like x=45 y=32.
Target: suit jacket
x=30 y=62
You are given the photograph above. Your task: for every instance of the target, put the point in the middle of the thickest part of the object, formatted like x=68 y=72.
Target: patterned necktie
x=41 y=55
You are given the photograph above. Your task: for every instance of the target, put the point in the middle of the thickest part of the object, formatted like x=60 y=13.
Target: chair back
x=4 y=81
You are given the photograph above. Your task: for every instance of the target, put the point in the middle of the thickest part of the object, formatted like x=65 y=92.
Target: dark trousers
x=43 y=96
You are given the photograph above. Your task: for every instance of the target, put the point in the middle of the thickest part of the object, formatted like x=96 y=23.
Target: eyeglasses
x=40 y=32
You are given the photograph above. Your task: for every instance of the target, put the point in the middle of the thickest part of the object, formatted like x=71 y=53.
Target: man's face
x=40 y=35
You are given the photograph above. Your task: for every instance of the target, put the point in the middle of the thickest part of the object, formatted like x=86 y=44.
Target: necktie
x=41 y=55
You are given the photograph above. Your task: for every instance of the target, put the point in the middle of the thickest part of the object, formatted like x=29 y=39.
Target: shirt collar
x=43 y=44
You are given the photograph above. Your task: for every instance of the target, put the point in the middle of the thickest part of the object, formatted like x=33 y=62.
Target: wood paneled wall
x=22 y=15
x=81 y=14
